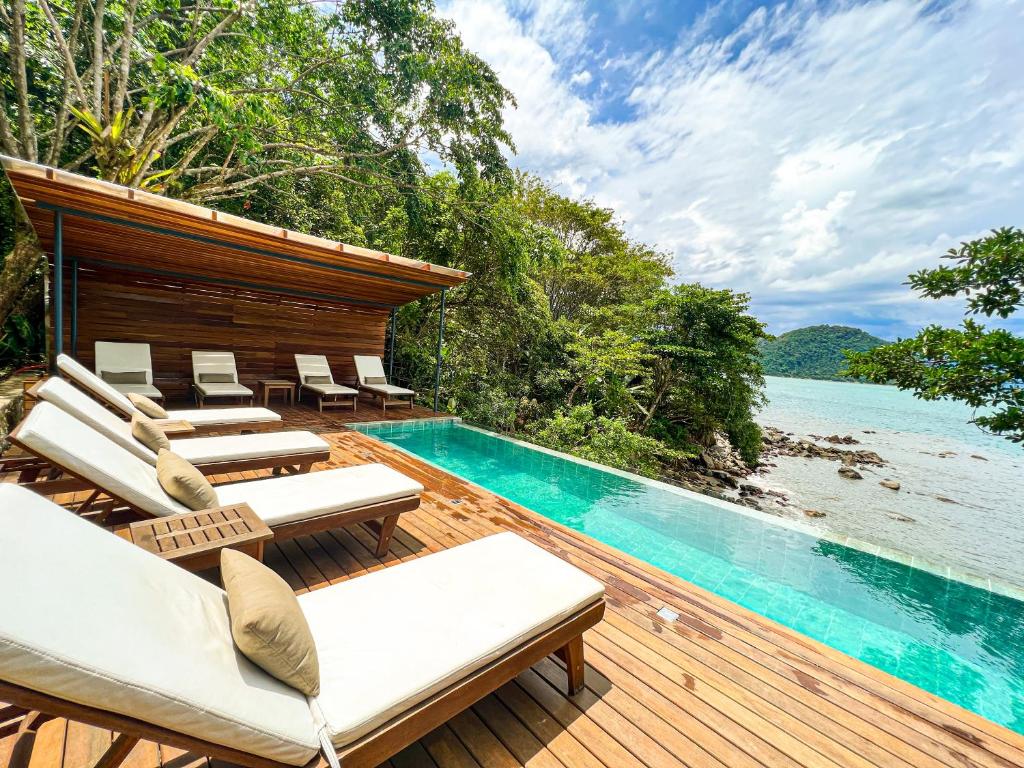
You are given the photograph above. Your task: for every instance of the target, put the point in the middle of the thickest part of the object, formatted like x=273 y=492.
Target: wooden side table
x=175 y=427
x=269 y=386
x=194 y=540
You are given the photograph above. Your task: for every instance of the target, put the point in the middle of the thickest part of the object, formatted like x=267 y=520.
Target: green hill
x=815 y=352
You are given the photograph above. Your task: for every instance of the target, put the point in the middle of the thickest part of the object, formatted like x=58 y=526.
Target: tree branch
x=126 y=56
x=26 y=125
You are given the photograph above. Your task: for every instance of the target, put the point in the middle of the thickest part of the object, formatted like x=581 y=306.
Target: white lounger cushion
x=210 y=450
x=331 y=389
x=215 y=389
x=147 y=390
x=197 y=450
x=211 y=417
x=201 y=418
x=78 y=404
x=106 y=624
x=65 y=441
x=120 y=357
x=370 y=367
x=279 y=500
x=388 y=389
x=430 y=622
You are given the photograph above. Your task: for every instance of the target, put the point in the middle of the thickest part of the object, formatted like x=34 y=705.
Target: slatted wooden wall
x=263 y=330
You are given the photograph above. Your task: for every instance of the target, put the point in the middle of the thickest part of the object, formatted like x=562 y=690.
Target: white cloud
x=583 y=77
x=812 y=157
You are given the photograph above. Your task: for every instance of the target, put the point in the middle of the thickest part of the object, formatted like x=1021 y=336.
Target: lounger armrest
x=175 y=427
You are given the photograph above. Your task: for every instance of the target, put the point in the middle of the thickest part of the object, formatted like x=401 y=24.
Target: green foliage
x=317 y=118
x=707 y=377
x=21 y=341
x=602 y=439
x=815 y=352
x=983 y=368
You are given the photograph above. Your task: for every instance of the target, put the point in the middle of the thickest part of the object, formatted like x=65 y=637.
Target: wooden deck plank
x=721 y=686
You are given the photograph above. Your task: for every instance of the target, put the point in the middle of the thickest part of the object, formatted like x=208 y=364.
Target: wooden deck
x=721 y=686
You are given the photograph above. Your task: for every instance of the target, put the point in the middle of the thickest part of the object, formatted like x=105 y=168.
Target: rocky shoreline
x=719 y=472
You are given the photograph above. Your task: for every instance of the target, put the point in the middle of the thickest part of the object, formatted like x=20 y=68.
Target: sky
x=812 y=155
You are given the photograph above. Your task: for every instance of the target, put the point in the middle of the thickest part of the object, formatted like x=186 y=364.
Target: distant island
x=815 y=352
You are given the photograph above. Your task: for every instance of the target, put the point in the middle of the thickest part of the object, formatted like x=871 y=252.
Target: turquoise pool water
x=962 y=643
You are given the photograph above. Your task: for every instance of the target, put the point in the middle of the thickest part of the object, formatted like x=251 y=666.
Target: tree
x=233 y=102
x=981 y=367
x=707 y=376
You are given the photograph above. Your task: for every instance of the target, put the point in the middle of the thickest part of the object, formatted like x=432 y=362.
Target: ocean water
x=963 y=488
x=956 y=640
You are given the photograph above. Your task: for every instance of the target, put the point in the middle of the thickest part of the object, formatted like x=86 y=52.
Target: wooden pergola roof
x=115 y=227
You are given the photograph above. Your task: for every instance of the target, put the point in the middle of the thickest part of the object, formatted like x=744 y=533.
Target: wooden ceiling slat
x=108 y=223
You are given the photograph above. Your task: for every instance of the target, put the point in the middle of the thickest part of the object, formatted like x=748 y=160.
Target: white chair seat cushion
x=279 y=500
x=139 y=389
x=111 y=626
x=226 y=389
x=208 y=450
x=205 y=417
x=67 y=442
x=331 y=389
x=430 y=622
x=388 y=389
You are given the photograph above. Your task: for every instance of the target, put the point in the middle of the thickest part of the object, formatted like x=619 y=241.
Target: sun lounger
x=204 y=421
x=370 y=372
x=214 y=375
x=293 y=450
x=127 y=368
x=315 y=375
x=112 y=636
x=290 y=506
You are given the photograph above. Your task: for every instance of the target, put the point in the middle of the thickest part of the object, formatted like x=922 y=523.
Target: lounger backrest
x=204 y=361
x=368 y=366
x=105 y=624
x=94 y=385
x=65 y=441
x=123 y=357
x=313 y=365
x=75 y=402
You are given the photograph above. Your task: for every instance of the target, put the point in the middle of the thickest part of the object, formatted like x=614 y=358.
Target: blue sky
x=810 y=154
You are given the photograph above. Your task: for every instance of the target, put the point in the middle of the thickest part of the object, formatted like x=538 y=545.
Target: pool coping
x=990 y=584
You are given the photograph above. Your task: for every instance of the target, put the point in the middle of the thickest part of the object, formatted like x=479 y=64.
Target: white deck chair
x=370 y=372
x=315 y=375
x=290 y=506
x=208 y=420
x=212 y=455
x=127 y=368
x=483 y=612
x=214 y=374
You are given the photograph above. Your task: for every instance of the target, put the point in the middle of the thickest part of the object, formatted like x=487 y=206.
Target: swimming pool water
x=960 y=642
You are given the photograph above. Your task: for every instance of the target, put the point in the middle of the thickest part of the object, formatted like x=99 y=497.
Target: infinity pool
x=962 y=643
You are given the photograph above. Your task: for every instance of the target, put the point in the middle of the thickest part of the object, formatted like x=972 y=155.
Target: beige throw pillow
x=184 y=482
x=147 y=406
x=267 y=624
x=123 y=377
x=146 y=431
x=216 y=378
x=376 y=380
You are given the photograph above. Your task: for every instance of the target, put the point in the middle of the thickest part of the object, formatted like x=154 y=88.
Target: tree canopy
x=981 y=367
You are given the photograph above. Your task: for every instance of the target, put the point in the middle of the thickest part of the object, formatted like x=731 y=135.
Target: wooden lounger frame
x=199 y=430
x=381 y=516
x=337 y=401
x=564 y=639
x=383 y=397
